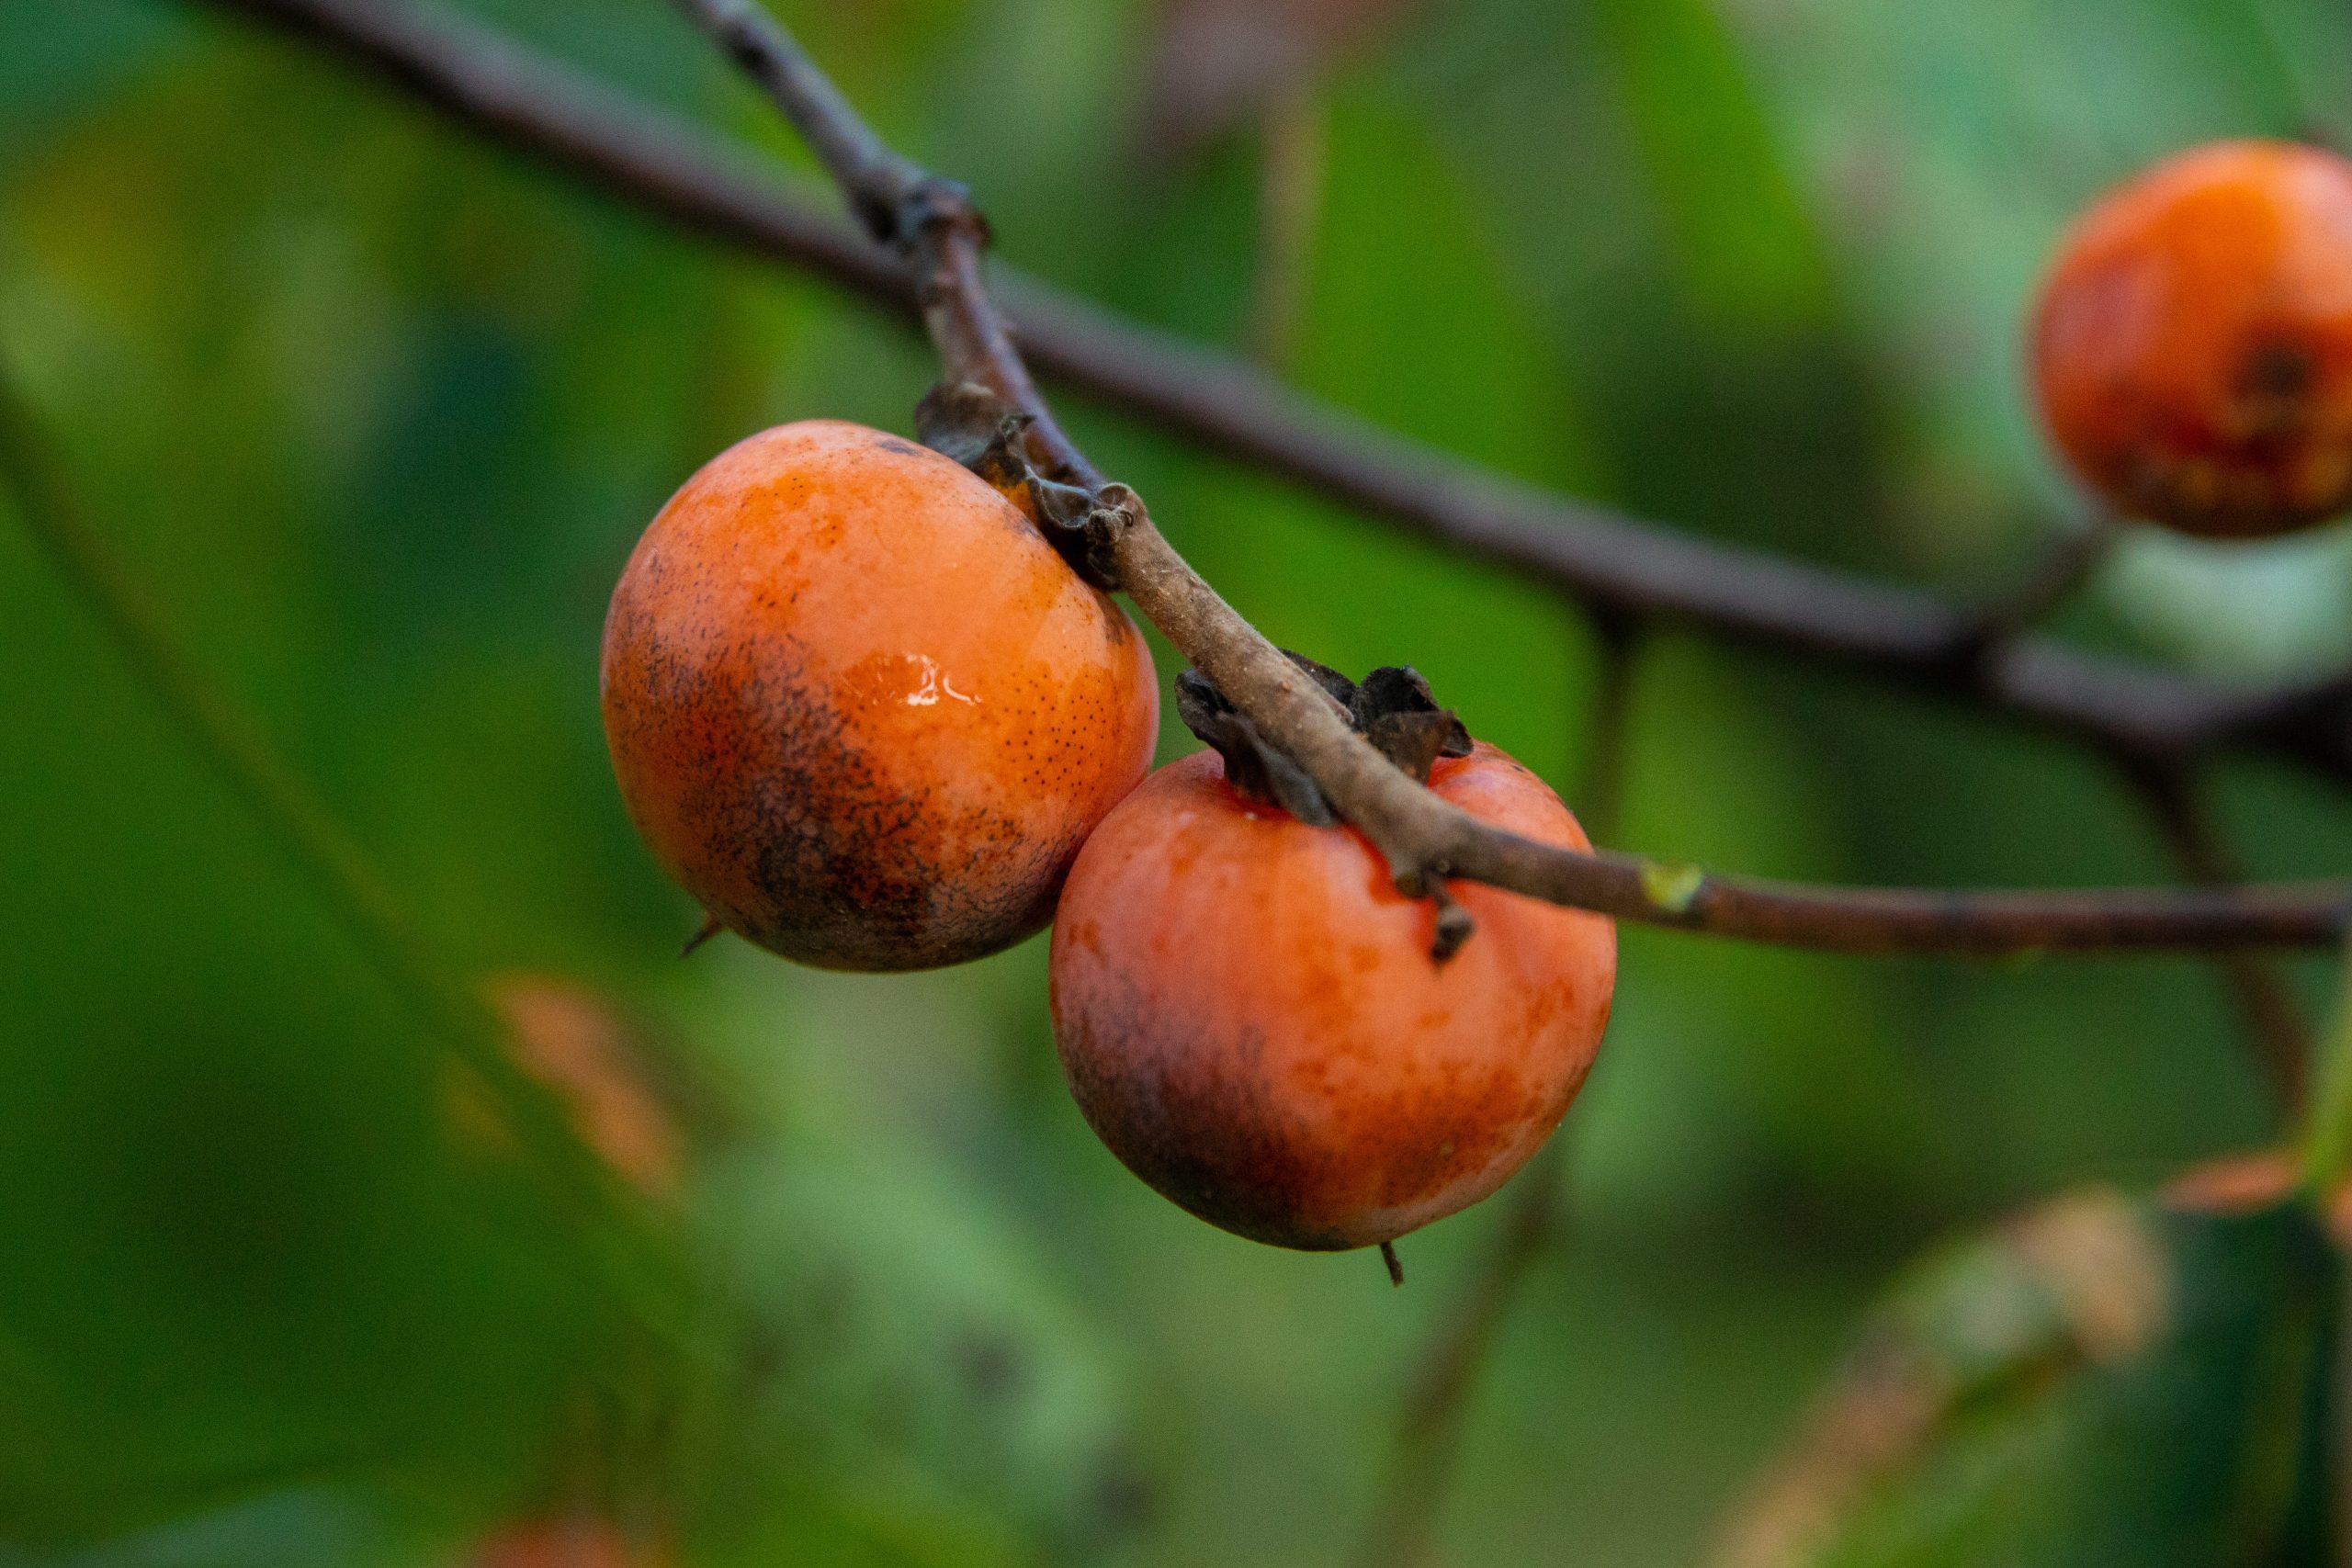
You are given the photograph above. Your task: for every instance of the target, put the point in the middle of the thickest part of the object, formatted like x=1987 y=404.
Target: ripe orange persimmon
x=860 y=708
x=1250 y=1014
x=2192 y=349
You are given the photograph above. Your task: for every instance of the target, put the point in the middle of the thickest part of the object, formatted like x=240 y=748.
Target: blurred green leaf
x=1745 y=242
x=2103 y=1379
x=888 y=1336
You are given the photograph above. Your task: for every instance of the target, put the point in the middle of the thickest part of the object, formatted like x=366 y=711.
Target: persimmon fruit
x=860 y=708
x=1250 y=1015
x=2193 y=346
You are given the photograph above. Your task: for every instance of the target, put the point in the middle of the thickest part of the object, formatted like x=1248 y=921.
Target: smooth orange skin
x=860 y=708
x=2192 y=349
x=1249 y=1017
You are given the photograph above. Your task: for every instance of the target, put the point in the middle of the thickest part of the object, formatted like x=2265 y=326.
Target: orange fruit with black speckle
x=860 y=708
x=1249 y=1016
x=2192 y=349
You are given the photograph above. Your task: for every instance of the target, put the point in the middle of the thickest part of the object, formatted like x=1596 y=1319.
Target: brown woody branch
x=931 y=241
x=2275 y=1028
x=513 y=94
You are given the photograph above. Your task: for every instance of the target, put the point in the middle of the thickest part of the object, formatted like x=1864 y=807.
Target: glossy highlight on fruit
x=1251 y=1017
x=858 y=706
x=2192 y=349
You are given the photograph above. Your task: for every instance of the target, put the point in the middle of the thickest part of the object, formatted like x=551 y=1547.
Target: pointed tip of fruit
x=709 y=928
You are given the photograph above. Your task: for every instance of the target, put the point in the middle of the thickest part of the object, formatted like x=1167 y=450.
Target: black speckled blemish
x=794 y=803
x=848 y=866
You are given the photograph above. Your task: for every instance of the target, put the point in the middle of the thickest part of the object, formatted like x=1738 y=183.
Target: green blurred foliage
x=373 y=414
x=2104 y=1381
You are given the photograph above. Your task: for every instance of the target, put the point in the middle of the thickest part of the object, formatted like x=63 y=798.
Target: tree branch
x=2275 y=1026
x=1422 y=835
x=2065 y=566
x=937 y=239
x=497 y=88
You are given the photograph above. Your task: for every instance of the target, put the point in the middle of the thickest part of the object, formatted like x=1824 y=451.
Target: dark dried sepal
x=1414 y=742
x=1397 y=713
x=971 y=423
x=1392 y=708
x=1343 y=690
x=980 y=429
x=711 y=926
x=1253 y=766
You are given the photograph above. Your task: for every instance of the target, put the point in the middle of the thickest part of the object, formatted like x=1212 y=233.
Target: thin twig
x=2060 y=572
x=929 y=222
x=711 y=926
x=2276 y=1028
x=1428 y=1435
x=1422 y=835
x=938 y=238
x=882 y=187
x=497 y=88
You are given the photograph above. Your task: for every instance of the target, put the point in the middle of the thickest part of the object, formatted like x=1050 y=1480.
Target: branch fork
x=497 y=86
x=1392 y=709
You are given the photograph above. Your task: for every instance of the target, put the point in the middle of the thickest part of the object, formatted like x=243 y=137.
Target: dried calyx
x=1392 y=708
x=978 y=428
